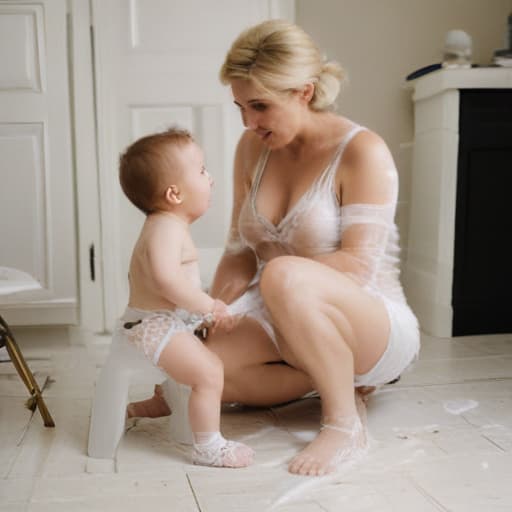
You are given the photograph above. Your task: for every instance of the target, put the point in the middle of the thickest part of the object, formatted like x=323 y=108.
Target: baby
x=165 y=177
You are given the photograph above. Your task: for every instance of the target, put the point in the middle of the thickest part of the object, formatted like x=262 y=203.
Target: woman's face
x=276 y=118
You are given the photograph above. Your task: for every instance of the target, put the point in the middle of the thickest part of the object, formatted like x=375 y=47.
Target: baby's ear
x=172 y=195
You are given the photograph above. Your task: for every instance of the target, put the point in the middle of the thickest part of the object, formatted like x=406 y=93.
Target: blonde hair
x=141 y=165
x=279 y=56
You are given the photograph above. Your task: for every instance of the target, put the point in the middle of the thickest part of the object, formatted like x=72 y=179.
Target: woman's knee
x=280 y=279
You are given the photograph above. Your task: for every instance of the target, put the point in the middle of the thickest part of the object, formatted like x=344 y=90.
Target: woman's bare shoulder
x=367 y=149
x=367 y=172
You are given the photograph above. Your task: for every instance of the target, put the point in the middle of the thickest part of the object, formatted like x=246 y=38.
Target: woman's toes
x=319 y=471
x=295 y=465
x=306 y=466
x=304 y=469
x=315 y=469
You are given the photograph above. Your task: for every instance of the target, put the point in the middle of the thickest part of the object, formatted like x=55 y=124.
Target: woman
x=312 y=256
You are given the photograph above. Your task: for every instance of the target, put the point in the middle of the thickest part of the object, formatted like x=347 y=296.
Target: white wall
x=379 y=42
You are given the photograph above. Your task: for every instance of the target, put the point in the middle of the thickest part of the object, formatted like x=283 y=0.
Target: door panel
x=157 y=65
x=36 y=193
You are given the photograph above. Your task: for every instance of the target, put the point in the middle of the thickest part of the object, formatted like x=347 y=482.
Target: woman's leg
x=154 y=407
x=253 y=370
x=331 y=332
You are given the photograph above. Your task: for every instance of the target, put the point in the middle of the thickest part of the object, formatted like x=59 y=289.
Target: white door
x=37 y=223
x=157 y=64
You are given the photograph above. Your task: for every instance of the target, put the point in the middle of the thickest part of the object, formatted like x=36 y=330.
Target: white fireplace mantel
x=428 y=272
x=474 y=78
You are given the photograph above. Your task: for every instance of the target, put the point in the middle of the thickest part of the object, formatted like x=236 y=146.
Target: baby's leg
x=189 y=362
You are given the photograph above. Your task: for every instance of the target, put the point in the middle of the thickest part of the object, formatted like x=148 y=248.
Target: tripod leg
x=24 y=372
x=28 y=378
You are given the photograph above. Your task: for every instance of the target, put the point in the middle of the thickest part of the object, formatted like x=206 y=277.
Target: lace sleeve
x=369 y=239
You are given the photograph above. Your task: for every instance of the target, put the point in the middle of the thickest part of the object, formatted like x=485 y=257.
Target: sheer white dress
x=317 y=224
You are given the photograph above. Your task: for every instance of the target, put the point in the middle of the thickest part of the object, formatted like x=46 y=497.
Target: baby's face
x=194 y=182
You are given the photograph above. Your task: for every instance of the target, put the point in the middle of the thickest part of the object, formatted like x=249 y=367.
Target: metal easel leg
x=7 y=340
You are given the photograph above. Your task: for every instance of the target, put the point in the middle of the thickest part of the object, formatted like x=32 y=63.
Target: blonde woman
x=312 y=255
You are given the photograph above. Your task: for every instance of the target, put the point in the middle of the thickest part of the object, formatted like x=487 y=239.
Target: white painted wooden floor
x=441 y=440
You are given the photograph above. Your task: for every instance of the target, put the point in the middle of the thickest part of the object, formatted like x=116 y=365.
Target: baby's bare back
x=146 y=274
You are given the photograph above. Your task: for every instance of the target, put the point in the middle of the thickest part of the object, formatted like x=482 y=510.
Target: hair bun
x=328 y=86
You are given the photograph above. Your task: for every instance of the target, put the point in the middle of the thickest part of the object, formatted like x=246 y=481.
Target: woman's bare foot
x=365 y=391
x=153 y=407
x=340 y=440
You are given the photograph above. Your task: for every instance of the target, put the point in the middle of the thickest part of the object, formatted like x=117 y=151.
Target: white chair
x=108 y=415
x=13 y=281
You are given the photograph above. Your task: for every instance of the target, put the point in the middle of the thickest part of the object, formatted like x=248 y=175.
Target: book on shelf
x=503 y=57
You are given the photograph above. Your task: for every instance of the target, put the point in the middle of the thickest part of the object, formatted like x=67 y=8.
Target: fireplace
x=458 y=270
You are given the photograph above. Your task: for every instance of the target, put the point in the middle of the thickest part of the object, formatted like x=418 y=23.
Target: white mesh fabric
x=316 y=224
x=361 y=232
x=369 y=238
x=211 y=449
x=355 y=442
x=153 y=330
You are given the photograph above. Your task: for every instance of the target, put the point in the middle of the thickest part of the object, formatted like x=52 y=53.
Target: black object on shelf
x=423 y=71
x=428 y=69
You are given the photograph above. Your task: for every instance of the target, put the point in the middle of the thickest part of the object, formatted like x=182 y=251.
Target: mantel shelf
x=474 y=78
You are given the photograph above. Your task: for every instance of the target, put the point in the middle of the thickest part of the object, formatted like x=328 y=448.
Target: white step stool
x=108 y=415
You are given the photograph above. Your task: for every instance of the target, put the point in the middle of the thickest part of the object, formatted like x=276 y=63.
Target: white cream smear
x=459 y=406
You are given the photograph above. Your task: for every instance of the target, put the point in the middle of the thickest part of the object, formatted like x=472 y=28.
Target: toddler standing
x=164 y=176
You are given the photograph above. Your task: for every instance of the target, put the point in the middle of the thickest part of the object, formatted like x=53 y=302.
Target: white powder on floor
x=459 y=406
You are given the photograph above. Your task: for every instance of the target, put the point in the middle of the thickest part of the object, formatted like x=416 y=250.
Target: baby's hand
x=222 y=317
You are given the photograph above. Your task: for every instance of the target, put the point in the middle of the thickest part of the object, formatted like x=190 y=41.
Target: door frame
x=85 y=153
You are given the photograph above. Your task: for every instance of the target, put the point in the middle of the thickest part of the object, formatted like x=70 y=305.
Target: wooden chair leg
x=24 y=372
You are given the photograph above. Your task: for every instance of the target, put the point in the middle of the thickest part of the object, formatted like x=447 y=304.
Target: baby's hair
x=279 y=56
x=141 y=164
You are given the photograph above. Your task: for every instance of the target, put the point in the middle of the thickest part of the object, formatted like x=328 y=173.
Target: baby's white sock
x=211 y=449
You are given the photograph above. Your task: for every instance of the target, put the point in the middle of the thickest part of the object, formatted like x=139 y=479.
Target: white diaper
x=251 y=304
x=151 y=331
x=402 y=350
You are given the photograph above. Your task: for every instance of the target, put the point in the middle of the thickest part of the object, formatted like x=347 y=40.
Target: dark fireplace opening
x=482 y=277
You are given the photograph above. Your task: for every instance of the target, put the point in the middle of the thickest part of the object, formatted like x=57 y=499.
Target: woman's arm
x=368 y=185
x=233 y=275
x=238 y=264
